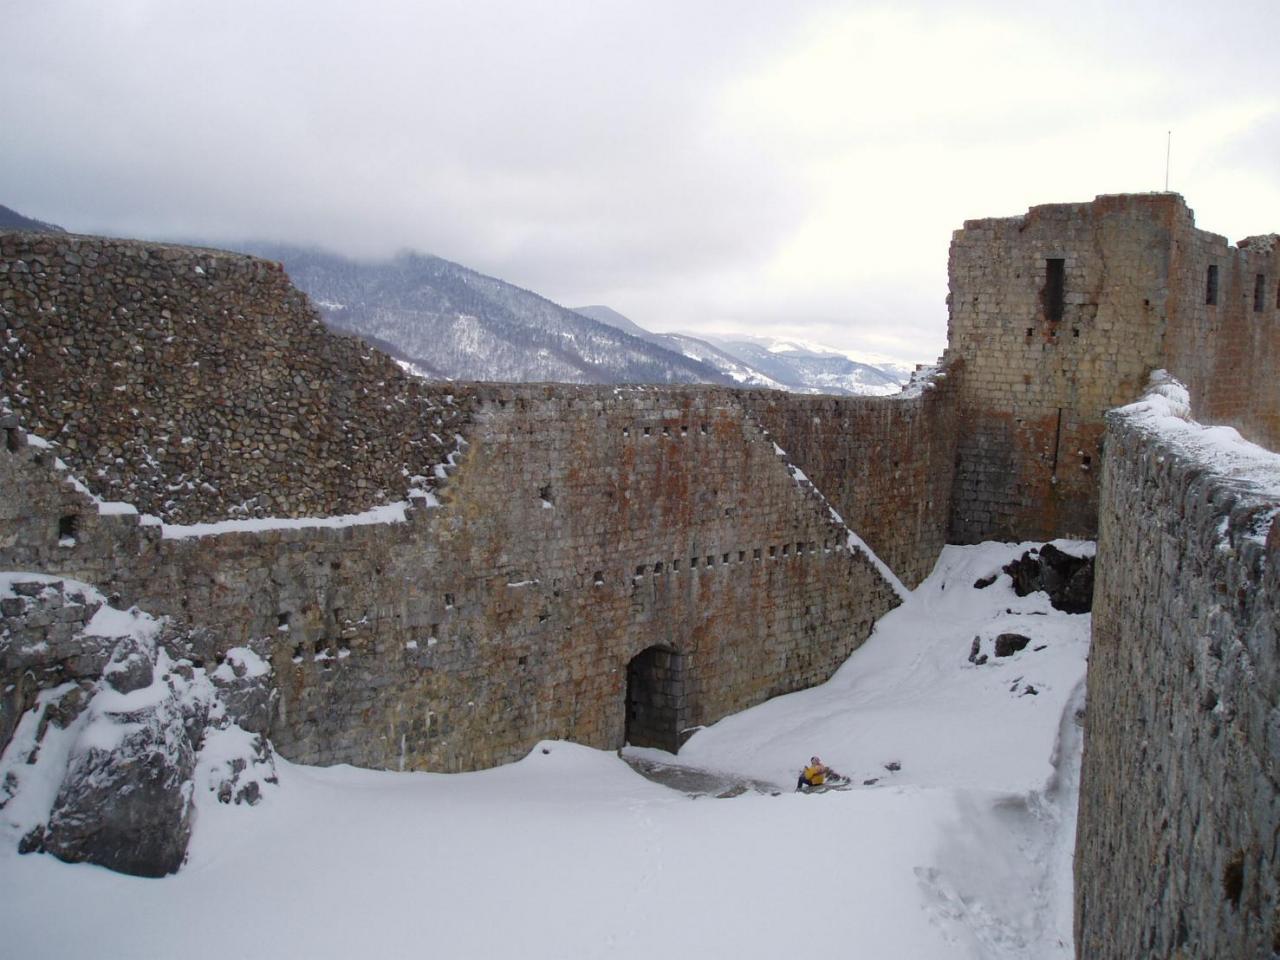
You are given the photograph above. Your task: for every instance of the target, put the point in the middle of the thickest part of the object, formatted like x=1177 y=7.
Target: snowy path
x=962 y=853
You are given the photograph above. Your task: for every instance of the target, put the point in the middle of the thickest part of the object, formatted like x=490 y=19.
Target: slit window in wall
x=639 y=569
x=1211 y=286
x=68 y=528
x=1055 y=288
x=282 y=621
x=1259 y=292
x=599 y=577
x=448 y=601
x=755 y=554
x=11 y=442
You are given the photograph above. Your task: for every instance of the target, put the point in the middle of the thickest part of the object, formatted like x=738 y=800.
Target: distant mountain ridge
x=447 y=320
x=773 y=363
x=13 y=220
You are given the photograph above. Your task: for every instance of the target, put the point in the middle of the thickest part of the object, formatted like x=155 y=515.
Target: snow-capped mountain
x=448 y=321
x=773 y=363
x=813 y=368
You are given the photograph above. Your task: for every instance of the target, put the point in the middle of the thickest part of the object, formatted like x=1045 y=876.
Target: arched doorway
x=657 y=701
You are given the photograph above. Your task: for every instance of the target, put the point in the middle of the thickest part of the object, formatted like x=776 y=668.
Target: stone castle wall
x=575 y=528
x=582 y=527
x=197 y=384
x=1180 y=791
x=885 y=463
x=1038 y=376
x=1227 y=352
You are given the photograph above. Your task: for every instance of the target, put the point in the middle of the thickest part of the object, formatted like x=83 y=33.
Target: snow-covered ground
x=963 y=852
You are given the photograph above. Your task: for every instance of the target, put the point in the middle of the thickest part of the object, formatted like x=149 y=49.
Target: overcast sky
x=788 y=169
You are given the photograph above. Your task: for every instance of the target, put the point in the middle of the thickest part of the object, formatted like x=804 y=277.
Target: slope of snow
x=962 y=853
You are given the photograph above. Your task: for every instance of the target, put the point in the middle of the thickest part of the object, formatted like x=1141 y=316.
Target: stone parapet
x=1179 y=815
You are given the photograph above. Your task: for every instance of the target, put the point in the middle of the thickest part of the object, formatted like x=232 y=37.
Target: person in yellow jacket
x=814 y=775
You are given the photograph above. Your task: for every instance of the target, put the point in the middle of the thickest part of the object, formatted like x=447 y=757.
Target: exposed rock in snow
x=1067 y=579
x=109 y=721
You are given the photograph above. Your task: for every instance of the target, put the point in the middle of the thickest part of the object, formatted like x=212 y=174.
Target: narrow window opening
x=704 y=428
x=786 y=549
x=693 y=562
x=282 y=621
x=675 y=564
x=666 y=431
x=337 y=615
x=755 y=554
x=647 y=431
x=1211 y=286
x=657 y=567
x=742 y=555
x=773 y=551
x=448 y=601
x=684 y=429
x=599 y=577
x=626 y=431
x=1054 y=288
x=11 y=439
x=523 y=661
x=1075 y=331
x=68 y=527
x=1259 y=293
x=639 y=569
x=711 y=561
x=1029 y=331
x=725 y=558
x=545 y=493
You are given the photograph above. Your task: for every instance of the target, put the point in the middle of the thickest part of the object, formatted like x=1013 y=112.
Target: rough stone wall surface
x=1036 y=381
x=582 y=527
x=196 y=384
x=1179 y=815
x=1034 y=391
x=885 y=463
x=1227 y=352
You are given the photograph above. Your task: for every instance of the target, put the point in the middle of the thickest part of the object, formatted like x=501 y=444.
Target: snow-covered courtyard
x=963 y=850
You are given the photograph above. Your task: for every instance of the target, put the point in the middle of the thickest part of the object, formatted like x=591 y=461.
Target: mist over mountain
x=449 y=321
x=446 y=321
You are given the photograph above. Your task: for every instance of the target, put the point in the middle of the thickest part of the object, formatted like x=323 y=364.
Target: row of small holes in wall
x=666 y=431
x=726 y=559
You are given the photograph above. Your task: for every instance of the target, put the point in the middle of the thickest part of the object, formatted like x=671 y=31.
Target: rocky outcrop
x=109 y=714
x=1067 y=579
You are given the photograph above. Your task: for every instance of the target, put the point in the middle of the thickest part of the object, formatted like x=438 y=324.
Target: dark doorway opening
x=657 y=699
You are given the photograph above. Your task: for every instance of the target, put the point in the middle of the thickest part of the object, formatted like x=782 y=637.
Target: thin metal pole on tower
x=1168 y=148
